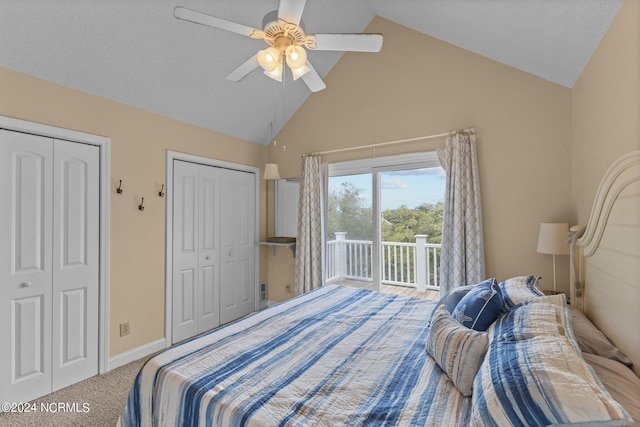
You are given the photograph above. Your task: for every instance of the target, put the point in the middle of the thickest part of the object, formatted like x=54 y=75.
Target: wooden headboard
x=610 y=262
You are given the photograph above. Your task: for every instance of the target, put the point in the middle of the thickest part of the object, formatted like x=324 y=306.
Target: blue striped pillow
x=518 y=290
x=533 y=373
x=458 y=350
x=480 y=307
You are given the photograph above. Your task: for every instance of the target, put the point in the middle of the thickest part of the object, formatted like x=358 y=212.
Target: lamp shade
x=276 y=73
x=271 y=172
x=268 y=58
x=552 y=238
x=300 y=71
x=296 y=56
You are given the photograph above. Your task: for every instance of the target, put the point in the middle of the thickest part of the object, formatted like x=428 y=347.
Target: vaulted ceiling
x=138 y=53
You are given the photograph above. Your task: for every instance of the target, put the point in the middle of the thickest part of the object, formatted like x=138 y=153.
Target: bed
x=345 y=356
x=609 y=266
x=342 y=355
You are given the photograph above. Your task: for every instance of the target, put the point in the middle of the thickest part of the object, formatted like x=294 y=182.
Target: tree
x=403 y=224
x=346 y=212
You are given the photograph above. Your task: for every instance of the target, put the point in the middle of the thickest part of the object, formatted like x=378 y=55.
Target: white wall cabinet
x=49 y=264
x=286 y=208
x=213 y=247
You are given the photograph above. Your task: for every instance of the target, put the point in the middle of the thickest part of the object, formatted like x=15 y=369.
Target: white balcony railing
x=406 y=264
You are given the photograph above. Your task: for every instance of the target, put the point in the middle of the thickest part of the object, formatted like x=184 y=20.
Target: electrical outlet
x=287 y=288
x=124 y=329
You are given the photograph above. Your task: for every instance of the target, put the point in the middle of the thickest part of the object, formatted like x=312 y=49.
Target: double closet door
x=213 y=247
x=49 y=264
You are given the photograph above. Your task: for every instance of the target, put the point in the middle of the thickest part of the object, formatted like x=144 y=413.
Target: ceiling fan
x=286 y=41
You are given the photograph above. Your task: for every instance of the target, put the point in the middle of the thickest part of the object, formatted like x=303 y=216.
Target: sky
x=409 y=187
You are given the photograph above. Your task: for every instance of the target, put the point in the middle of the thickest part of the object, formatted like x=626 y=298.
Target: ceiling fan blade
x=291 y=10
x=349 y=42
x=211 y=21
x=313 y=79
x=244 y=70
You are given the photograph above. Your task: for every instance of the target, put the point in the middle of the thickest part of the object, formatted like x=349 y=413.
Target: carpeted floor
x=96 y=401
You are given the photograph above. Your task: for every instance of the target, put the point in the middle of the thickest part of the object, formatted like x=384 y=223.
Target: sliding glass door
x=349 y=230
x=384 y=222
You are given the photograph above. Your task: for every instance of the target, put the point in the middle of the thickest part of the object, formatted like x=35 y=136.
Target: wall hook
x=141 y=203
x=119 y=189
x=161 y=193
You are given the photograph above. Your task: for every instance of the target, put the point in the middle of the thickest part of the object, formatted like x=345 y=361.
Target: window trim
x=427 y=159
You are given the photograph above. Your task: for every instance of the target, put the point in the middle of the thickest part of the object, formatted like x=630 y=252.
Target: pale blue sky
x=410 y=187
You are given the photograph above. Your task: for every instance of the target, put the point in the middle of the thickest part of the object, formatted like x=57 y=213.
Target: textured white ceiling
x=137 y=53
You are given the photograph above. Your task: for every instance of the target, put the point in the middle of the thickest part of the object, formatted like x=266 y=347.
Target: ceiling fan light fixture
x=269 y=59
x=283 y=32
x=276 y=73
x=296 y=56
x=300 y=71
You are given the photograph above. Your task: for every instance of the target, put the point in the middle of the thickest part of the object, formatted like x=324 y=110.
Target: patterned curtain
x=308 y=274
x=462 y=256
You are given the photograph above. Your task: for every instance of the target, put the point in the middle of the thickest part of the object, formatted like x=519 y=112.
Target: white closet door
x=76 y=216
x=213 y=247
x=208 y=308
x=229 y=279
x=237 y=290
x=245 y=240
x=195 y=249
x=25 y=269
x=185 y=250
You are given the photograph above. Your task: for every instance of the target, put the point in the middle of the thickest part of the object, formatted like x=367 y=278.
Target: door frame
x=104 y=144
x=175 y=155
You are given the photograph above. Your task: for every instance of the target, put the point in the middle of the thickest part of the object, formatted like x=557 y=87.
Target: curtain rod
x=398 y=141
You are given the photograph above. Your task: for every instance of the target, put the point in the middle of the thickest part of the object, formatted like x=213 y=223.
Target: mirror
x=286 y=207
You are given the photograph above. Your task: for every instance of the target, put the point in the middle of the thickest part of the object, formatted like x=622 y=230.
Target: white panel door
x=196 y=307
x=76 y=218
x=237 y=246
x=25 y=266
x=185 y=250
x=208 y=307
x=246 y=243
x=229 y=279
x=213 y=247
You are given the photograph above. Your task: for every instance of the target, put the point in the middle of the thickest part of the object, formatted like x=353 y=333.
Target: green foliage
x=403 y=224
x=345 y=212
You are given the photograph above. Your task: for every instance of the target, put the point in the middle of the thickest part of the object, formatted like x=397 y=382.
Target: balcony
x=412 y=266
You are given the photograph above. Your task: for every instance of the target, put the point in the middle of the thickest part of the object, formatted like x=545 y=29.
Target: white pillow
x=458 y=350
x=592 y=340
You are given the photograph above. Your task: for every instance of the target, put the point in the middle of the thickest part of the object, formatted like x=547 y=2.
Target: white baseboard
x=136 y=353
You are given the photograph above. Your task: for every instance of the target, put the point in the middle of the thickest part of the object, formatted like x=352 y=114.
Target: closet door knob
x=25 y=284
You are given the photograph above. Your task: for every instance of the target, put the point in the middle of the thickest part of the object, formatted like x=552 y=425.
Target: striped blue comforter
x=335 y=356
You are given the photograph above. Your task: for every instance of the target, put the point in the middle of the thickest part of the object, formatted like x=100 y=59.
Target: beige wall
x=418 y=85
x=606 y=107
x=139 y=141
